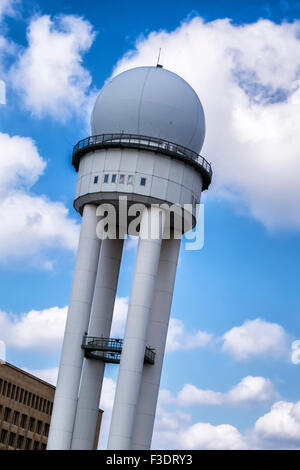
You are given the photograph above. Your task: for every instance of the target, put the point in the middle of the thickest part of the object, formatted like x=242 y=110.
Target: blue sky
x=236 y=304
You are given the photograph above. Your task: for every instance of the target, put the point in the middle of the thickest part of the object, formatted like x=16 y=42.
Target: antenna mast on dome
x=158 y=64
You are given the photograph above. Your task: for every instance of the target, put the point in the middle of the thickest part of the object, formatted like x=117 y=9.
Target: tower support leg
x=65 y=401
x=156 y=336
x=100 y=325
x=132 y=357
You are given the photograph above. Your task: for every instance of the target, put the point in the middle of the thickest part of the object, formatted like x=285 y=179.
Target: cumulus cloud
x=247 y=77
x=40 y=330
x=20 y=163
x=256 y=338
x=250 y=390
x=31 y=224
x=173 y=430
x=280 y=427
x=206 y=436
x=49 y=73
x=179 y=339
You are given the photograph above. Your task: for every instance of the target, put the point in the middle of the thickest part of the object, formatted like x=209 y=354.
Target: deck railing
x=144 y=143
x=109 y=349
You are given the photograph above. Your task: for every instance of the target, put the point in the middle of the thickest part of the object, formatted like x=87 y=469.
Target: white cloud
x=250 y=390
x=247 y=77
x=295 y=354
x=30 y=224
x=119 y=317
x=256 y=338
x=280 y=427
x=179 y=339
x=7 y=7
x=20 y=163
x=48 y=375
x=49 y=73
x=40 y=330
x=206 y=436
x=172 y=431
x=191 y=395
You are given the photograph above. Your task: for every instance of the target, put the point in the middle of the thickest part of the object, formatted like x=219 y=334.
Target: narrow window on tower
x=130 y=179
x=113 y=178
x=95 y=179
x=143 y=181
x=122 y=179
x=105 y=180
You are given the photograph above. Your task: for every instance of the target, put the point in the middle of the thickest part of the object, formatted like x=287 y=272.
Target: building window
x=23 y=421
x=15 y=420
x=1 y=383
x=122 y=179
x=39 y=427
x=46 y=429
x=113 y=178
x=105 y=179
x=17 y=394
x=130 y=179
x=20 y=442
x=43 y=446
x=13 y=391
x=143 y=181
x=12 y=438
x=40 y=404
x=31 y=424
x=28 y=444
x=3 y=436
x=6 y=414
x=8 y=390
x=21 y=395
x=95 y=179
x=35 y=445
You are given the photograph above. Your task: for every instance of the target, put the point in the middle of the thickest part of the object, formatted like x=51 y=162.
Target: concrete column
x=72 y=355
x=156 y=336
x=132 y=358
x=100 y=325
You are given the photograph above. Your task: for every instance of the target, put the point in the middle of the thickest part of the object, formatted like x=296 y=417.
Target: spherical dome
x=153 y=102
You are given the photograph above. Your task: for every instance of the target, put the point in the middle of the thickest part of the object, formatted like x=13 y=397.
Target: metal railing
x=109 y=349
x=144 y=143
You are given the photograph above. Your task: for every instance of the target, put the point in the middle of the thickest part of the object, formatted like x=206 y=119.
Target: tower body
x=142 y=165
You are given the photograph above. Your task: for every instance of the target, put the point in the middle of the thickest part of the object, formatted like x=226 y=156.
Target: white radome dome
x=153 y=102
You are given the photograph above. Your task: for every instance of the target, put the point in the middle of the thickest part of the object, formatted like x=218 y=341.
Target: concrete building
x=143 y=161
x=25 y=410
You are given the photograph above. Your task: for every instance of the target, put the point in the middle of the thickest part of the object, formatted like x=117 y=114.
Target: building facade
x=25 y=410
